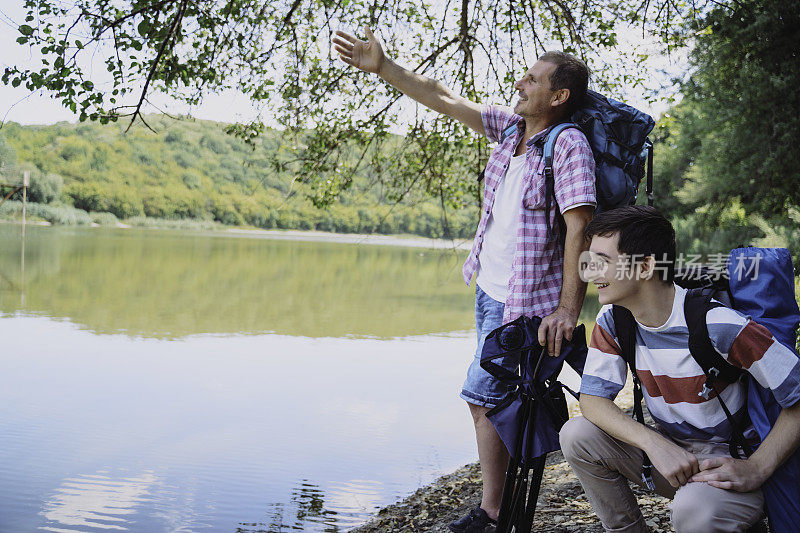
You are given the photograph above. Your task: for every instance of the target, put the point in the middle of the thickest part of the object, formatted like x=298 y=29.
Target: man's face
x=610 y=271
x=535 y=95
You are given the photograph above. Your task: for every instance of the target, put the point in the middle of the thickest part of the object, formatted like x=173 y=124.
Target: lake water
x=171 y=381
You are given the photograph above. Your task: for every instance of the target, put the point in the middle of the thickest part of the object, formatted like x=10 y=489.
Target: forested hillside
x=726 y=159
x=194 y=170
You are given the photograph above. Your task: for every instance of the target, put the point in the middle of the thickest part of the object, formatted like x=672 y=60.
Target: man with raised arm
x=519 y=264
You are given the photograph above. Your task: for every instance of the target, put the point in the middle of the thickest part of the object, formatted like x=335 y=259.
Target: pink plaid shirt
x=535 y=284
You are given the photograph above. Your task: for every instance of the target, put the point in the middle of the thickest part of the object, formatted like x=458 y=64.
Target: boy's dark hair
x=643 y=231
x=570 y=73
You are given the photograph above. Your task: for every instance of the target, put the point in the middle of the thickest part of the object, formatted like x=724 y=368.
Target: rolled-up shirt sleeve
x=605 y=371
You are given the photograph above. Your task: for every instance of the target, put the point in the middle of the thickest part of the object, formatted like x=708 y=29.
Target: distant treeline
x=193 y=170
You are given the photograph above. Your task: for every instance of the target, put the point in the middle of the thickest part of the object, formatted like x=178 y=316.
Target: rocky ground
x=562 y=506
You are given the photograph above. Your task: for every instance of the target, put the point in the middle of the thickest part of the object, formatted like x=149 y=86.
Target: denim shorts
x=480 y=387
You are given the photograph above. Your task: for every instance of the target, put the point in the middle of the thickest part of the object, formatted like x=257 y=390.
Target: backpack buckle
x=713 y=374
x=647 y=479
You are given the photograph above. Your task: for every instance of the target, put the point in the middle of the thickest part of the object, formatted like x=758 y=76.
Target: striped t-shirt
x=671 y=379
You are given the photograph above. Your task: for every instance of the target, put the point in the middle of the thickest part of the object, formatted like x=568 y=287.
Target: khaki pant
x=603 y=463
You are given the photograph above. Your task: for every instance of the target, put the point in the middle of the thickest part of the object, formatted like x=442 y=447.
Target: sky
x=20 y=105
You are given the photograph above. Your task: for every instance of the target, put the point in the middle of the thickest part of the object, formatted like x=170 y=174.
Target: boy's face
x=611 y=272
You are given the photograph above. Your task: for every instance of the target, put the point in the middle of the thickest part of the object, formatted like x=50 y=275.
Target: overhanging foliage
x=277 y=53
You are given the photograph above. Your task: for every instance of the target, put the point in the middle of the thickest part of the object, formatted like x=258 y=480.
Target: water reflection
x=191 y=419
x=211 y=433
x=95 y=501
x=339 y=508
x=171 y=284
x=309 y=501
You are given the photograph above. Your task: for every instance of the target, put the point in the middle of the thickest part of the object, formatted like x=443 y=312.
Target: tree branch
x=167 y=38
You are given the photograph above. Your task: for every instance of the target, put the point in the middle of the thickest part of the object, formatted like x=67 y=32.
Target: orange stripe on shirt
x=750 y=345
x=604 y=341
x=677 y=390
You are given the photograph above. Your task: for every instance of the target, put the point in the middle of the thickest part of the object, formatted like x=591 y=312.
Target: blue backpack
x=623 y=154
x=760 y=284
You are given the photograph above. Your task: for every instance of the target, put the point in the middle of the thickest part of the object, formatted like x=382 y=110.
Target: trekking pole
x=518 y=510
x=507 y=500
x=533 y=496
x=509 y=488
x=650 y=174
x=521 y=508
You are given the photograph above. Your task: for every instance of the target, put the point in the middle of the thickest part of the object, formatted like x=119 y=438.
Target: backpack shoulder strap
x=550 y=144
x=625 y=325
x=697 y=304
x=695 y=307
x=503 y=136
x=508 y=131
x=548 y=154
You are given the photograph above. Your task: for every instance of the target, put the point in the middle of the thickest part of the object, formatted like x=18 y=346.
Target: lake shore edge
x=401 y=240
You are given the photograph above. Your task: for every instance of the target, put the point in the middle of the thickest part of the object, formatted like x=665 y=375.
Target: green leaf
x=87 y=85
x=26 y=30
x=144 y=28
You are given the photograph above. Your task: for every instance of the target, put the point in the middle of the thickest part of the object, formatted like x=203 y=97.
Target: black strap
x=625 y=325
x=550 y=195
x=550 y=184
x=505 y=376
x=609 y=158
x=696 y=306
x=649 y=173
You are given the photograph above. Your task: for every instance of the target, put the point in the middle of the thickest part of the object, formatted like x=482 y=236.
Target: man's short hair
x=643 y=231
x=570 y=73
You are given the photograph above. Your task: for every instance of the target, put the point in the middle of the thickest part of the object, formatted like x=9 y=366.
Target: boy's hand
x=364 y=55
x=731 y=474
x=673 y=462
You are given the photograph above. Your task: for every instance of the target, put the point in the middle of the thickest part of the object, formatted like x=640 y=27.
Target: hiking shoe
x=476 y=521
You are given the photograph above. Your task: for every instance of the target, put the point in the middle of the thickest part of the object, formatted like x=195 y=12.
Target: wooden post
x=26 y=182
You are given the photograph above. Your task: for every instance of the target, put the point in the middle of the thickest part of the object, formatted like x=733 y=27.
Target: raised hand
x=365 y=55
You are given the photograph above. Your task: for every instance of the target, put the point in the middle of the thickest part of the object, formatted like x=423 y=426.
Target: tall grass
x=55 y=214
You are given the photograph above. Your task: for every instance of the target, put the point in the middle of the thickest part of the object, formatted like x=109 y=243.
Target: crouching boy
x=710 y=490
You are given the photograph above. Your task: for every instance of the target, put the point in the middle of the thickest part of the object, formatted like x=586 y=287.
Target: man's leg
x=493 y=457
x=481 y=391
x=604 y=465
